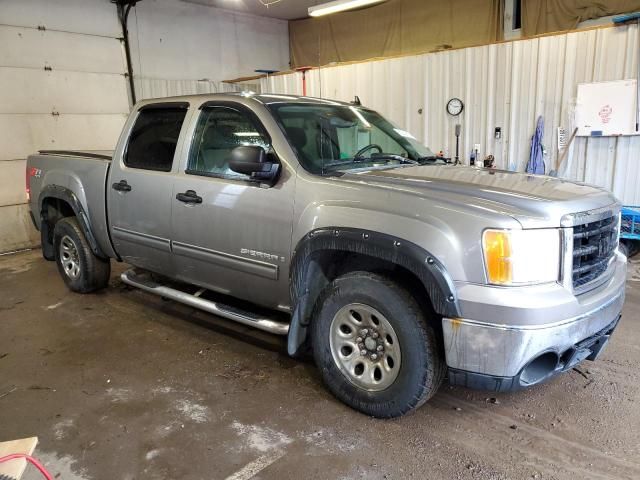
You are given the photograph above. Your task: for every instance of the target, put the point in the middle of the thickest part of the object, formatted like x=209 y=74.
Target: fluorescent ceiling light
x=340 y=6
x=246 y=134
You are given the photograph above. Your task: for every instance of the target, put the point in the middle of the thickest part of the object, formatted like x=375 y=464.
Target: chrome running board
x=141 y=281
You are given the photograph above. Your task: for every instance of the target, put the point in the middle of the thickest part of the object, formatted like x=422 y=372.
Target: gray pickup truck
x=322 y=221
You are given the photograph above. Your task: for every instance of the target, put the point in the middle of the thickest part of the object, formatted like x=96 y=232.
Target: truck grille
x=593 y=246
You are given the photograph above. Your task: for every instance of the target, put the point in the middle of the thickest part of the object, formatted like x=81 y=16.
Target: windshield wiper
x=393 y=156
x=381 y=156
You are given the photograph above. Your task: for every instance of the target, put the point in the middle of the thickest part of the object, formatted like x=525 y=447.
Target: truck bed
x=84 y=173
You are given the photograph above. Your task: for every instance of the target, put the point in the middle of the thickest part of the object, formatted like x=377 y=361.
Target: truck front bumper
x=518 y=337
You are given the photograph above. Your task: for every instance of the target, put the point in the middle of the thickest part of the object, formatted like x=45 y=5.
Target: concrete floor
x=124 y=385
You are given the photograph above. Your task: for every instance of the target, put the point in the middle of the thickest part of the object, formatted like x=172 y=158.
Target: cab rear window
x=154 y=137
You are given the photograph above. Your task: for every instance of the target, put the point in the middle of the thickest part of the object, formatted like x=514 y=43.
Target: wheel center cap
x=370 y=343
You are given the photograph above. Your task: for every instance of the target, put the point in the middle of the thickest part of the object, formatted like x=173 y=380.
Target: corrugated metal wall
x=505 y=85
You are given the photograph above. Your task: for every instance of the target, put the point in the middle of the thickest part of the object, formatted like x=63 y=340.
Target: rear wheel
x=80 y=268
x=373 y=346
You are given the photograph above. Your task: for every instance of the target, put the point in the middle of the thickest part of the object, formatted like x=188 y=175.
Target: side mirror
x=252 y=161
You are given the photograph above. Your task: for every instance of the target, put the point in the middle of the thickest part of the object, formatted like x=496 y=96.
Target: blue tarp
x=536 y=157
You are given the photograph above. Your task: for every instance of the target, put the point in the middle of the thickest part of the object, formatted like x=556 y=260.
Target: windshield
x=330 y=138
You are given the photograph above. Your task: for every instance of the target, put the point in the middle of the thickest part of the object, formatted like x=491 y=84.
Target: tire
x=400 y=385
x=80 y=268
x=631 y=247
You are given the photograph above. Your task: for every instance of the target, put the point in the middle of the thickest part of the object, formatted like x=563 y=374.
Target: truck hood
x=536 y=201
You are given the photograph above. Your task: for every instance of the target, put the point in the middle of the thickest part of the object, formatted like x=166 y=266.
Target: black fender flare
x=306 y=275
x=66 y=195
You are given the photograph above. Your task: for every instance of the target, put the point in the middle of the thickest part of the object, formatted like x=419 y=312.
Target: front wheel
x=373 y=346
x=80 y=268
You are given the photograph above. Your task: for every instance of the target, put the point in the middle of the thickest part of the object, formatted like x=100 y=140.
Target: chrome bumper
x=525 y=325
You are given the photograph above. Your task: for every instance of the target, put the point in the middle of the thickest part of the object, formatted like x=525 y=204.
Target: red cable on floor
x=30 y=459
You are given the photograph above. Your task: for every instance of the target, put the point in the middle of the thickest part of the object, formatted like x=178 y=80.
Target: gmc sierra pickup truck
x=324 y=222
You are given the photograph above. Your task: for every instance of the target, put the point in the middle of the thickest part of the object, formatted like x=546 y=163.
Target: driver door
x=236 y=239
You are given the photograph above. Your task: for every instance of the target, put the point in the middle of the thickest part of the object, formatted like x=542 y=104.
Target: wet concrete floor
x=123 y=385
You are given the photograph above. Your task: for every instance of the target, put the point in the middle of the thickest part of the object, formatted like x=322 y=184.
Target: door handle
x=190 y=196
x=121 y=186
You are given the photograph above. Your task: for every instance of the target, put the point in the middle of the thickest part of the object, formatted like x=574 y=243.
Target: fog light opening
x=539 y=369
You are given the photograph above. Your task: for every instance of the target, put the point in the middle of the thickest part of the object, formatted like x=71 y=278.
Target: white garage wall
x=504 y=85
x=62 y=86
x=184 y=48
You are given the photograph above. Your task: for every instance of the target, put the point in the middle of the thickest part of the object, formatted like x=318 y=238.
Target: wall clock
x=455 y=107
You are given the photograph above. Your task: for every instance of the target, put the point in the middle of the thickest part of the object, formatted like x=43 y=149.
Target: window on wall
x=220 y=129
x=517 y=14
x=154 y=137
x=512 y=19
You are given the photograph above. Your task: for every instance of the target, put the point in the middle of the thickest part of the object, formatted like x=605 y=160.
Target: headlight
x=520 y=257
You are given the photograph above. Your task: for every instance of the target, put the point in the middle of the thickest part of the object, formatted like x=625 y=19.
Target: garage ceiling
x=284 y=9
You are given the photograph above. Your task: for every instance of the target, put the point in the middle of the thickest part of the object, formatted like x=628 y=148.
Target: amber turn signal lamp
x=497 y=256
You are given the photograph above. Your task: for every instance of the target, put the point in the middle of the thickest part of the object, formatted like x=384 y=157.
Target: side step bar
x=141 y=281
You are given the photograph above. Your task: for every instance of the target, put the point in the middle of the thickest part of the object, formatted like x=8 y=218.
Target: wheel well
x=53 y=209
x=336 y=263
x=327 y=265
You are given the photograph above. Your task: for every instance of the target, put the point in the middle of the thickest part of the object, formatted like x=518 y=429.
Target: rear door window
x=154 y=137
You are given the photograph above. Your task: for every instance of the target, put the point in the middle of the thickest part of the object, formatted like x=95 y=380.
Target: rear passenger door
x=140 y=187
x=236 y=238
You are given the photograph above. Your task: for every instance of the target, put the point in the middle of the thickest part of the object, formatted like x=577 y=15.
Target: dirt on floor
x=124 y=385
